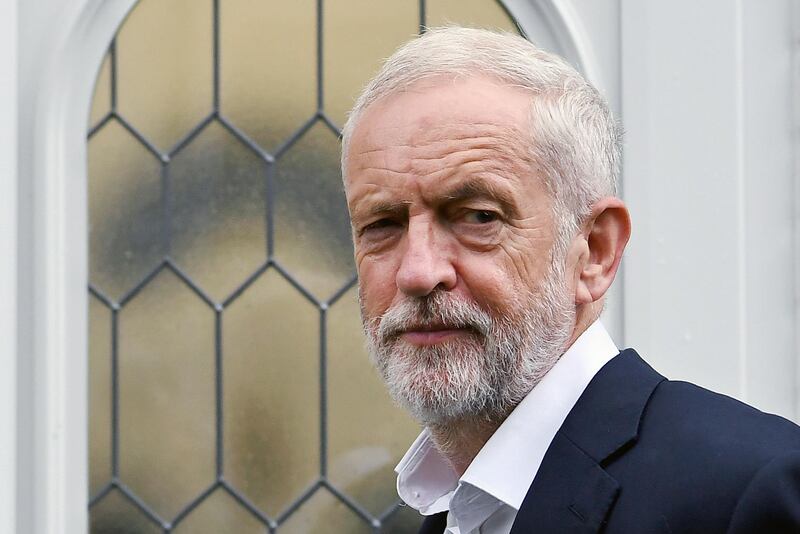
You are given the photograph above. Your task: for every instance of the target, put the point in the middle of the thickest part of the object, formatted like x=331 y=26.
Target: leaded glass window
x=229 y=386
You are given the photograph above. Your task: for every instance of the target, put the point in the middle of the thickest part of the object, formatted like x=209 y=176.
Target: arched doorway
x=59 y=415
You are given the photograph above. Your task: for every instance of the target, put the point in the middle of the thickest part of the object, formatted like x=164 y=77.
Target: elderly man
x=480 y=176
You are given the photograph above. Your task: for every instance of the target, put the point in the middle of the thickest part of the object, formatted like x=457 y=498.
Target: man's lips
x=431 y=335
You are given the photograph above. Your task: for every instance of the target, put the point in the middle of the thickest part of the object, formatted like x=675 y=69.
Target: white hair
x=575 y=141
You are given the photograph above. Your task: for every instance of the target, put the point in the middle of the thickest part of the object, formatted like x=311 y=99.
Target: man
x=480 y=176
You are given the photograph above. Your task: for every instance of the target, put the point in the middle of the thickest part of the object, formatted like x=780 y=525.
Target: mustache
x=439 y=310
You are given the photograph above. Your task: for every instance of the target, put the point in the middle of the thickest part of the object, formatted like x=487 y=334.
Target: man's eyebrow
x=382 y=207
x=477 y=188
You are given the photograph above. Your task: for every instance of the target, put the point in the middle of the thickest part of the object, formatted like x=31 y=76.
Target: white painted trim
x=567 y=28
x=570 y=26
x=53 y=382
x=8 y=266
x=707 y=162
x=795 y=77
x=632 y=100
x=741 y=200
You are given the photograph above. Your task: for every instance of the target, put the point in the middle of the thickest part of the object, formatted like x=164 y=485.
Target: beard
x=482 y=373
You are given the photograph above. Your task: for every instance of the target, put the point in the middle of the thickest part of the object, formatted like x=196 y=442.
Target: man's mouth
x=424 y=335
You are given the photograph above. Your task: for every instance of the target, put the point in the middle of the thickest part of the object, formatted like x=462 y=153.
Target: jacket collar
x=572 y=492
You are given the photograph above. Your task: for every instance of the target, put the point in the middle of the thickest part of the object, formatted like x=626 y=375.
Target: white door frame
x=62 y=43
x=61 y=46
x=8 y=267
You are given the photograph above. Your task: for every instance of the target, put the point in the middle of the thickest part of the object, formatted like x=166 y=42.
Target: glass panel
x=115 y=514
x=359 y=35
x=271 y=372
x=220 y=513
x=124 y=211
x=101 y=101
x=405 y=520
x=218 y=211
x=473 y=13
x=99 y=395
x=164 y=69
x=214 y=192
x=368 y=435
x=322 y=514
x=312 y=228
x=166 y=380
x=268 y=66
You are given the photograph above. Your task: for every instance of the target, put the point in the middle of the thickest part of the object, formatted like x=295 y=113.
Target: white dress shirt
x=487 y=497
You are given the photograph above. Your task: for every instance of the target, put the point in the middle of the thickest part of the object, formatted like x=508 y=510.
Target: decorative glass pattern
x=229 y=386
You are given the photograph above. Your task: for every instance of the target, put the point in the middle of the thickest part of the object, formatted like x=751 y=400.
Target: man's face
x=453 y=234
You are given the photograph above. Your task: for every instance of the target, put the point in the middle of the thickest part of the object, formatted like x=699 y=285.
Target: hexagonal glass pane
x=404 y=520
x=367 y=434
x=268 y=66
x=312 y=227
x=359 y=35
x=99 y=395
x=488 y=14
x=218 y=211
x=218 y=513
x=101 y=101
x=116 y=514
x=271 y=393
x=165 y=75
x=323 y=513
x=125 y=223
x=166 y=381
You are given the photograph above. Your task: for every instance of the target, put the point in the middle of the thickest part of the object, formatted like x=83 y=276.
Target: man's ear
x=606 y=232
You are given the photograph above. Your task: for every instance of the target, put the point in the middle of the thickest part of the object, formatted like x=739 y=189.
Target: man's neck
x=459 y=442
x=585 y=315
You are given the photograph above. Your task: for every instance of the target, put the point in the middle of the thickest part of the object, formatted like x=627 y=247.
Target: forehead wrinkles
x=467 y=149
x=426 y=151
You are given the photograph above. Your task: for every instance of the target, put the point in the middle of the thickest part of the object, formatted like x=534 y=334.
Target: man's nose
x=426 y=263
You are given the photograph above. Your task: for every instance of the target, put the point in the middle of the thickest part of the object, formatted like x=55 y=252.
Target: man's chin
x=432 y=397
x=434 y=413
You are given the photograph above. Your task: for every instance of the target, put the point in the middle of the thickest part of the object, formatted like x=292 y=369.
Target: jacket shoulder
x=771 y=501
x=696 y=457
x=683 y=413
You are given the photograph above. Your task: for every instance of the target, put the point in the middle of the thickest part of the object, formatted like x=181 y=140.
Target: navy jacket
x=642 y=454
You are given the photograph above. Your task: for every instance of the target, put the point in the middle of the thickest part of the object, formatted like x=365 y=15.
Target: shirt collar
x=507 y=464
x=425 y=480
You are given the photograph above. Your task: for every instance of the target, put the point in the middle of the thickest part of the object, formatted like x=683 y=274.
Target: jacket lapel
x=572 y=492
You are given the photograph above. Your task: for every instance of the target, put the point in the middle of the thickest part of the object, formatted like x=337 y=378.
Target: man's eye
x=480 y=217
x=380 y=224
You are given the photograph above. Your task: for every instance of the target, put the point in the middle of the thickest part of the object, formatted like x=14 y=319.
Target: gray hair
x=575 y=141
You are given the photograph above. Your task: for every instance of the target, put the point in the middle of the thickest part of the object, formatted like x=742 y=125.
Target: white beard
x=483 y=374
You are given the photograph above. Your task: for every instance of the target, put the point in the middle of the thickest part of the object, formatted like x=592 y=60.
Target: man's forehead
x=439 y=133
x=447 y=108
x=431 y=129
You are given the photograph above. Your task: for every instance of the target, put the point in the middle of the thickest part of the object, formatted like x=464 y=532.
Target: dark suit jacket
x=642 y=454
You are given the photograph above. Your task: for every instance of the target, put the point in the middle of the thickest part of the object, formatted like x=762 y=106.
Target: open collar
x=507 y=464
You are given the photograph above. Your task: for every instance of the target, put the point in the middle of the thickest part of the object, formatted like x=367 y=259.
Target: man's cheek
x=377 y=291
